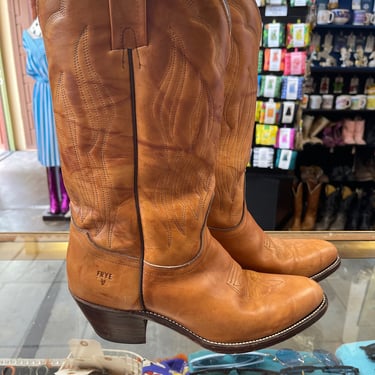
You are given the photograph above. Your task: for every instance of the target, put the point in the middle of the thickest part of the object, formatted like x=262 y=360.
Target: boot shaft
x=313 y=195
x=297 y=192
x=138 y=100
x=238 y=115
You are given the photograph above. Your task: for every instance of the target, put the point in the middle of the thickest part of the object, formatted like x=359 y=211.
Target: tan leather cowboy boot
x=229 y=220
x=138 y=93
x=313 y=195
x=297 y=192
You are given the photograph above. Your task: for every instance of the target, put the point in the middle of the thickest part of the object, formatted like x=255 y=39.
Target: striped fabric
x=37 y=68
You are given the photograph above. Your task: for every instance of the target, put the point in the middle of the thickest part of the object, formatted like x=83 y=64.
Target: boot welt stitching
x=260 y=340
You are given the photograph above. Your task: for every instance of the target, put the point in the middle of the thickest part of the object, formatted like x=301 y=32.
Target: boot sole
x=327 y=271
x=129 y=327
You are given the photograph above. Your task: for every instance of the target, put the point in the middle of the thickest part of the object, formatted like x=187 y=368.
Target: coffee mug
x=341 y=16
x=359 y=17
x=343 y=102
x=325 y=16
x=327 y=101
x=370 y=18
x=315 y=101
x=358 y=102
x=370 y=102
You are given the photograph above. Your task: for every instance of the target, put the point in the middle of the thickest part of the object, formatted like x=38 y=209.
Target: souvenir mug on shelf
x=343 y=102
x=315 y=101
x=327 y=101
x=358 y=102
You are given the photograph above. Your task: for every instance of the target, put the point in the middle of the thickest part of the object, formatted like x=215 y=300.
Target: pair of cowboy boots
x=306 y=197
x=154 y=104
x=311 y=127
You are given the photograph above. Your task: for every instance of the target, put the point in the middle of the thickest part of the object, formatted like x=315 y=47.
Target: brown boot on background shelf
x=348 y=131
x=297 y=191
x=138 y=95
x=313 y=197
x=345 y=203
x=313 y=176
x=328 y=207
x=359 y=131
x=229 y=220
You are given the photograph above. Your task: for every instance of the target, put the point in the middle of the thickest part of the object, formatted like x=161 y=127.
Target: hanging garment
x=44 y=122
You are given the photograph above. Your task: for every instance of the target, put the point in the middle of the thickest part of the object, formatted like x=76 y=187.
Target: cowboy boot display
x=307 y=122
x=229 y=220
x=319 y=124
x=297 y=206
x=54 y=201
x=312 y=205
x=138 y=95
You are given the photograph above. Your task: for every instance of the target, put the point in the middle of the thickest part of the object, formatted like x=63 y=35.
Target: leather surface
x=313 y=196
x=261 y=252
x=241 y=82
x=229 y=220
x=128 y=24
x=178 y=99
x=297 y=192
x=91 y=98
x=212 y=296
x=138 y=131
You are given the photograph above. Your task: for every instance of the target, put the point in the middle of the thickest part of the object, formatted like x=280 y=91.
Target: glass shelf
x=38 y=316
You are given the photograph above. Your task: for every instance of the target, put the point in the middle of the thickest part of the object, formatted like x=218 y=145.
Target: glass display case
x=38 y=316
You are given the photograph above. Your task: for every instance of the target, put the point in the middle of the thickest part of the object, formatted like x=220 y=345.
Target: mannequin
x=48 y=152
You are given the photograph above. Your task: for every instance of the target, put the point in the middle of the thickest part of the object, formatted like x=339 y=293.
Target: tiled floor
x=38 y=316
x=24 y=195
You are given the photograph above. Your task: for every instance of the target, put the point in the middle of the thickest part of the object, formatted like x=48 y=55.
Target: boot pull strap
x=128 y=23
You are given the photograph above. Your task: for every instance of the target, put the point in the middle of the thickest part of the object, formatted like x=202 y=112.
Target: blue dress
x=44 y=121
